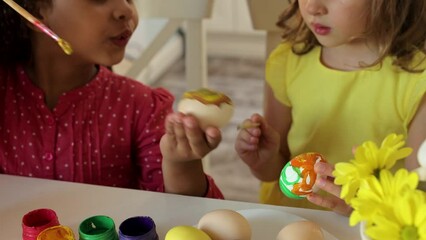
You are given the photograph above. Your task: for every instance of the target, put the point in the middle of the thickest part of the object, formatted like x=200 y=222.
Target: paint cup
x=138 y=228
x=56 y=233
x=98 y=228
x=34 y=222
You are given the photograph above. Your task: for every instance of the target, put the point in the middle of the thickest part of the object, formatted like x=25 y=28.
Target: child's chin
x=111 y=62
x=111 y=58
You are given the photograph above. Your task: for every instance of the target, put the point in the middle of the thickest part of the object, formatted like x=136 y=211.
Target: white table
x=75 y=202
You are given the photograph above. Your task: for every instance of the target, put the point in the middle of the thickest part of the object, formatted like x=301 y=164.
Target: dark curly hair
x=398 y=26
x=15 y=45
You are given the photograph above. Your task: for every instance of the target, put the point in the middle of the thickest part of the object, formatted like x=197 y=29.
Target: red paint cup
x=36 y=221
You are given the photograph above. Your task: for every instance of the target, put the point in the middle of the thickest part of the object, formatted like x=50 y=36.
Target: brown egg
x=301 y=230
x=225 y=224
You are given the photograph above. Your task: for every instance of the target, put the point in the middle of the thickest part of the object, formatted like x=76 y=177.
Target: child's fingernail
x=319 y=166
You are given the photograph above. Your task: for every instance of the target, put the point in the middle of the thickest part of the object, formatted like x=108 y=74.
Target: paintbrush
x=66 y=47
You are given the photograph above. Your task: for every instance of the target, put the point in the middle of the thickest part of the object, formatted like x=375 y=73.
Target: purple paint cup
x=138 y=228
x=36 y=221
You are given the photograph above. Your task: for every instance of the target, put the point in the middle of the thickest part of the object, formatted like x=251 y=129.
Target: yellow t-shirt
x=333 y=111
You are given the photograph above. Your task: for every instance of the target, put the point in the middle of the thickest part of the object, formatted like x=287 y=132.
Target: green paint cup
x=98 y=228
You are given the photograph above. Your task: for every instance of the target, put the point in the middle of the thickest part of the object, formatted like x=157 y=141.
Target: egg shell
x=421 y=154
x=225 y=224
x=301 y=230
x=207 y=114
x=298 y=171
x=421 y=171
x=186 y=233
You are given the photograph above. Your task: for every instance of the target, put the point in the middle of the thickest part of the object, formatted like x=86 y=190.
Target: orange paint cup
x=56 y=233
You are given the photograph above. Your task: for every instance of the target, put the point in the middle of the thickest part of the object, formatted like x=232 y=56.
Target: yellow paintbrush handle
x=21 y=10
x=66 y=47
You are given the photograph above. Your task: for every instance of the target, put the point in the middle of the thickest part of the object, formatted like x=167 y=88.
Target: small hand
x=184 y=140
x=331 y=200
x=257 y=144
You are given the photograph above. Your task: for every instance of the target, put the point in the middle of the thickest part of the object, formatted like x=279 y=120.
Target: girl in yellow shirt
x=347 y=72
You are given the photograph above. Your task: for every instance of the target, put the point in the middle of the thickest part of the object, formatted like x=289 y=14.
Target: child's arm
x=279 y=117
x=416 y=135
x=264 y=148
x=182 y=147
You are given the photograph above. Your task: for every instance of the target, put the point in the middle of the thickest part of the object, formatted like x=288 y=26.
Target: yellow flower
x=376 y=196
x=350 y=175
x=390 y=151
x=369 y=160
x=405 y=221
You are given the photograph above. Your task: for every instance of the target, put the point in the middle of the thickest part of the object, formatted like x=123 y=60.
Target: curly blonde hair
x=398 y=26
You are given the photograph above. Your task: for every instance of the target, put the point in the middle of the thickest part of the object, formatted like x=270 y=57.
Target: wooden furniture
x=189 y=14
x=264 y=15
x=74 y=202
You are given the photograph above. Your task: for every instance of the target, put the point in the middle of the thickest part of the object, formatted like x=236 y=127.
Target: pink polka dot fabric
x=106 y=132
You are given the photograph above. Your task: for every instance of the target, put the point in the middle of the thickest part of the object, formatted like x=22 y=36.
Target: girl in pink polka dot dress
x=67 y=117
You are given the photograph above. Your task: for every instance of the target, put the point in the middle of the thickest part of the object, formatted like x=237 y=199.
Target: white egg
x=225 y=224
x=421 y=158
x=421 y=171
x=301 y=230
x=215 y=114
x=421 y=154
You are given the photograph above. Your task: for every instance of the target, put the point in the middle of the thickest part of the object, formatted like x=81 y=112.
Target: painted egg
x=298 y=177
x=211 y=108
x=301 y=230
x=225 y=224
x=186 y=233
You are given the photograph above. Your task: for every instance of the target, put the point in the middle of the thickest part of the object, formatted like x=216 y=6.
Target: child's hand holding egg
x=298 y=177
x=211 y=108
